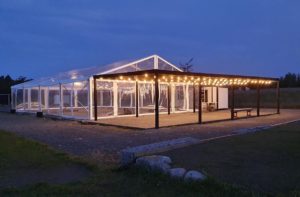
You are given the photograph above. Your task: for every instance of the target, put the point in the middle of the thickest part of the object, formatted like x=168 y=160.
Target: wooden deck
x=165 y=120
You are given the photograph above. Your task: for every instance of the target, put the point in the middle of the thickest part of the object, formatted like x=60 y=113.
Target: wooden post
x=95 y=100
x=258 y=100
x=136 y=99
x=278 y=98
x=156 y=102
x=194 y=98
x=169 y=98
x=232 y=102
x=200 y=105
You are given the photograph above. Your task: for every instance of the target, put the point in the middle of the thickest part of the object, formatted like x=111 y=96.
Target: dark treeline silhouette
x=6 y=82
x=290 y=80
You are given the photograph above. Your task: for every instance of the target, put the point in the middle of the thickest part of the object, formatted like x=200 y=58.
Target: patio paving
x=184 y=118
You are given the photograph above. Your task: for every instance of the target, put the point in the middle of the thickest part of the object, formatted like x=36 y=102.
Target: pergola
x=198 y=80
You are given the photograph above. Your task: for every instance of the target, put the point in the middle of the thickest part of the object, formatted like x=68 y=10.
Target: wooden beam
x=95 y=100
x=232 y=102
x=200 y=105
x=169 y=99
x=136 y=99
x=258 y=100
x=278 y=98
x=156 y=99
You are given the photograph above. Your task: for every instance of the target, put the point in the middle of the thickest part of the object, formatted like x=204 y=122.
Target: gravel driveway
x=103 y=143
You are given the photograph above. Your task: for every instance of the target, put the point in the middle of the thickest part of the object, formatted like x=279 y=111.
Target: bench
x=248 y=110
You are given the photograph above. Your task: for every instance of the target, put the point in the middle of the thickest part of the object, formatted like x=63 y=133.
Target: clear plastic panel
x=180 y=98
x=26 y=102
x=126 y=98
x=19 y=103
x=81 y=95
x=105 y=98
x=34 y=101
x=162 y=65
x=163 y=97
x=68 y=99
x=146 y=98
x=54 y=100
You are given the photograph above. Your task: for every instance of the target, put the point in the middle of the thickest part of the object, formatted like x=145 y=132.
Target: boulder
x=155 y=162
x=177 y=172
x=194 y=175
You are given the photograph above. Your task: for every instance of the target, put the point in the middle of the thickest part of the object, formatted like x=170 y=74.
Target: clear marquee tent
x=71 y=94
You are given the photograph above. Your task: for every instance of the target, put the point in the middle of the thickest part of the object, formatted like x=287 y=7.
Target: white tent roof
x=148 y=63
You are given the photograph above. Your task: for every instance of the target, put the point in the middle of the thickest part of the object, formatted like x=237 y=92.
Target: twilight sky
x=251 y=37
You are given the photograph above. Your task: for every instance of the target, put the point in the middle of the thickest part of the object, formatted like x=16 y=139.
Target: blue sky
x=251 y=37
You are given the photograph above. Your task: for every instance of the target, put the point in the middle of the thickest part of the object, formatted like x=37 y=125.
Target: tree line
x=290 y=80
x=6 y=82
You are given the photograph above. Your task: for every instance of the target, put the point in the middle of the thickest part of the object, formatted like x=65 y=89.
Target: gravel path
x=103 y=143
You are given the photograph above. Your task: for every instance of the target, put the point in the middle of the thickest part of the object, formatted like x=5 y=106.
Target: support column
x=217 y=101
x=173 y=91
x=156 y=98
x=40 y=98
x=115 y=102
x=194 y=98
x=278 y=98
x=29 y=98
x=46 y=95
x=136 y=99
x=61 y=104
x=200 y=105
x=90 y=97
x=95 y=100
x=169 y=98
x=187 y=97
x=71 y=97
x=232 y=102
x=24 y=96
x=258 y=100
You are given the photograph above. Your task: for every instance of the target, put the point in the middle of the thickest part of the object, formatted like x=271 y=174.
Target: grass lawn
x=33 y=163
x=267 y=161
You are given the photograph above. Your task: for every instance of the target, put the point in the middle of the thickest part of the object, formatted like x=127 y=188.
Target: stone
x=194 y=175
x=155 y=162
x=177 y=172
x=129 y=155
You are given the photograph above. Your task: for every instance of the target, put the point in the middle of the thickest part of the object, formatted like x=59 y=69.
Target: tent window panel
x=163 y=97
x=34 y=98
x=126 y=98
x=105 y=98
x=146 y=98
x=19 y=104
x=179 y=98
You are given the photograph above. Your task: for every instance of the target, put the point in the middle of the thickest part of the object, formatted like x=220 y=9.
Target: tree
x=188 y=66
x=290 y=80
x=6 y=82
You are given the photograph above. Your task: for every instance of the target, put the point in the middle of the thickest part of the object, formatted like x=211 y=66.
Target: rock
x=155 y=162
x=177 y=172
x=194 y=175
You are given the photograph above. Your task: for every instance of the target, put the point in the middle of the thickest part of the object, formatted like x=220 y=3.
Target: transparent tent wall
x=146 y=98
x=81 y=97
x=105 y=98
x=19 y=99
x=54 y=100
x=126 y=98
